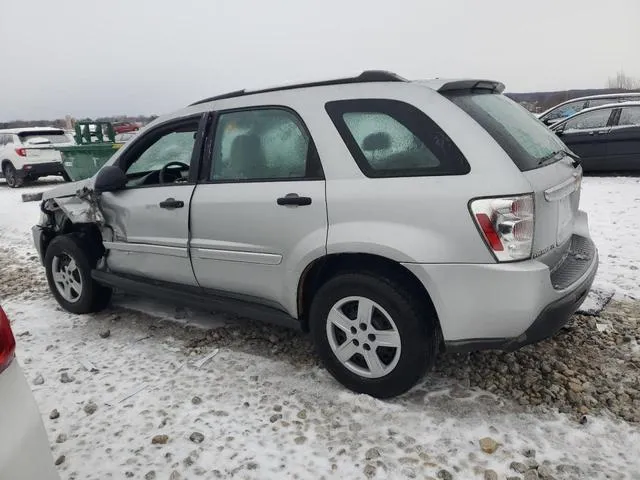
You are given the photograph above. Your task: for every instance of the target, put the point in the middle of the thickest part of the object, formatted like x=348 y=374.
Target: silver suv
x=390 y=218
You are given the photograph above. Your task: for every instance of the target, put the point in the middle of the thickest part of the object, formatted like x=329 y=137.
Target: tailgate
x=538 y=154
x=43 y=154
x=556 y=189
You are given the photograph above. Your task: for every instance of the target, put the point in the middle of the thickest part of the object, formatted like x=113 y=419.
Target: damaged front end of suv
x=65 y=210
x=69 y=240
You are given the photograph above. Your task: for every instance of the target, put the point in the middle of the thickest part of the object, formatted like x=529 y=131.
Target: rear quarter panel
x=410 y=219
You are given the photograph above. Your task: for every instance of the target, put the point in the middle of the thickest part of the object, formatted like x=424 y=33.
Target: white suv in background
x=30 y=153
x=24 y=448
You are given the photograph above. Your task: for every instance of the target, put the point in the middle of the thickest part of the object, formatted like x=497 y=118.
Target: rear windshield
x=525 y=139
x=39 y=137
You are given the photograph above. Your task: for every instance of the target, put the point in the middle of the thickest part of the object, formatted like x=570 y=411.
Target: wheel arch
x=320 y=270
x=5 y=162
x=88 y=232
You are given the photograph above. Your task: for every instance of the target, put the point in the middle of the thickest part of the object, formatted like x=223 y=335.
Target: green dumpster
x=92 y=151
x=83 y=161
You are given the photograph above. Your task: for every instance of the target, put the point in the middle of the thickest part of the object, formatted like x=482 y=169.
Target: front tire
x=372 y=335
x=68 y=262
x=11 y=176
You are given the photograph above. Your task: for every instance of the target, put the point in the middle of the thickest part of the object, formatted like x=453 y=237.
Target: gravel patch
x=582 y=370
x=21 y=274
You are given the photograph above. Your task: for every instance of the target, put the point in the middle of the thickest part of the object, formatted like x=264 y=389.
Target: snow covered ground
x=277 y=415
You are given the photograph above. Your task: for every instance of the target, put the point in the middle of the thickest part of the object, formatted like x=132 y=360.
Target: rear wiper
x=546 y=158
x=552 y=155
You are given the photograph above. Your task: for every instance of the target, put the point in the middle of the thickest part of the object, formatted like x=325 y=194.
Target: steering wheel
x=165 y=169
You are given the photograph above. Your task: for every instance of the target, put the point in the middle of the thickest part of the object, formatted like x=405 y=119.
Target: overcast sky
x=153 y=56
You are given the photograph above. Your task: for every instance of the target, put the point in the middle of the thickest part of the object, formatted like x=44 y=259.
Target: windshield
x=53 y=137
x=525 y=139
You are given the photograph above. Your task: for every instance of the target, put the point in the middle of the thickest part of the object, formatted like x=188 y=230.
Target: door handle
x=294 y=199
x=171 y=203
x=603 y=132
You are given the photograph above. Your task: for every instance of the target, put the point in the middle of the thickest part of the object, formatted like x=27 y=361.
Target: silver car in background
x=390 y=218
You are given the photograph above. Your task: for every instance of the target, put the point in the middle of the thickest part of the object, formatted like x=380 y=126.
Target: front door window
x=589 y=120
x=165 y=159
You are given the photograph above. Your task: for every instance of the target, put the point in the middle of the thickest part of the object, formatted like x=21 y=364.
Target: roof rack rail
x=364 y=77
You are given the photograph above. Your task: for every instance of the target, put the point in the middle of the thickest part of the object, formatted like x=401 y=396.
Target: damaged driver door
x=146 y=229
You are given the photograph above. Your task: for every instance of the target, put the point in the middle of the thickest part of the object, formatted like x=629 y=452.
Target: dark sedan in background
x=607 y=138
x=570 y=107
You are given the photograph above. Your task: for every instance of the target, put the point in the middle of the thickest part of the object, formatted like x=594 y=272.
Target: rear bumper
x=40 y=169
x=552 y=318
x=25 y=453
x=506 y=306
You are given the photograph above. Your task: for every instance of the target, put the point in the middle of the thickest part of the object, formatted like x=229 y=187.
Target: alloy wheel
x=363 y=337
x=67 y=278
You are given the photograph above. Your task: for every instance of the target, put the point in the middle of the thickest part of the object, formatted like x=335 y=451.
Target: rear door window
x=263 y=144
x=389 y=138
x=527 y=141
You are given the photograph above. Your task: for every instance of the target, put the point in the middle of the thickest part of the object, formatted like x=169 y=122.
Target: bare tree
x=622 y=80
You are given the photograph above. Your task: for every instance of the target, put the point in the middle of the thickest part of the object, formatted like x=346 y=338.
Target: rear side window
x=630 y=116
x=525 y=139
x=389 y=138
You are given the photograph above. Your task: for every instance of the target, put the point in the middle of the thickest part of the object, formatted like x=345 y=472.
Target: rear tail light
x=507 y=225
x=7 y=342
x=21 y=152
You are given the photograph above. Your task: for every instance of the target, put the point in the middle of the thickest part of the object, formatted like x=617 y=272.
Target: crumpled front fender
x=83 y=207
x=78 y=201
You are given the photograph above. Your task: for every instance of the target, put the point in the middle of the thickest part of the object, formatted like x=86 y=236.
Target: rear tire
x=386 y=338
x=11 y=176
x=69 y=260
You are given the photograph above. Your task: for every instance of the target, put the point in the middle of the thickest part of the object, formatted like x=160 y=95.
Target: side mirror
x=110 y=179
